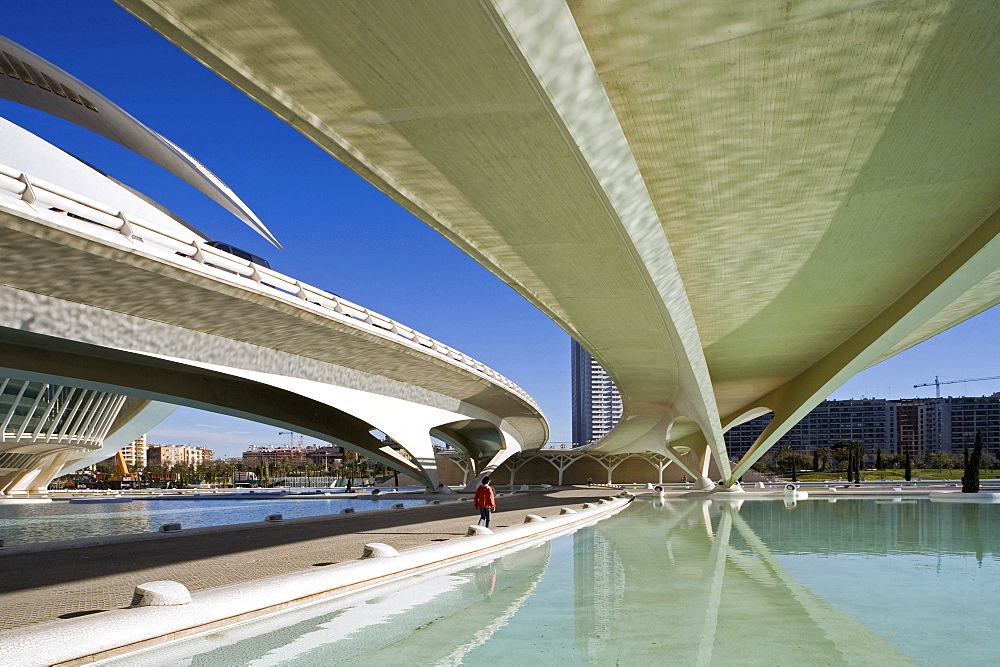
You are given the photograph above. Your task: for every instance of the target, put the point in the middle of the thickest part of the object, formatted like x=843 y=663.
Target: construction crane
x=937 y=383
x=123 y=478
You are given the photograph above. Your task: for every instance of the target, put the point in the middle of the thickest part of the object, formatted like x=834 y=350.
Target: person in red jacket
x=485 y=501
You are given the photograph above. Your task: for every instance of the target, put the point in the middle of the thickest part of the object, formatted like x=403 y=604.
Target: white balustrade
x=38 y=192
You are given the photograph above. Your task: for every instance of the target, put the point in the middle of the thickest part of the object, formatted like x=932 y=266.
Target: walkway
x=45 y=586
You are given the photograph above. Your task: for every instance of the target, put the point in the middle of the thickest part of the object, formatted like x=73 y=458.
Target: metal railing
x=38 y=192
x=37 y=412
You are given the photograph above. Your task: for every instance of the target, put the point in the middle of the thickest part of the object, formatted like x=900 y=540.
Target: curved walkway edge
x=122 y=631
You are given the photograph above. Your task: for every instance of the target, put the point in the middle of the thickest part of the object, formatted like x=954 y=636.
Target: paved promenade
x=47 y=585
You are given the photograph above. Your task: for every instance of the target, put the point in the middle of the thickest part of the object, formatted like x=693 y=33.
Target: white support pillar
x=675 y=456
x=661 y=463
x=415 y=438
x=610 y=462
x=464 y=463
x=561 y=462
x=514 y=466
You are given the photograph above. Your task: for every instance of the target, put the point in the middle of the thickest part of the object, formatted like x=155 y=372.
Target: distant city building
x=597 y=405
x=255 y=455
x=135 y=452
x=170 y=455
x=325 y=456
x=329 y=456
x=919 y=426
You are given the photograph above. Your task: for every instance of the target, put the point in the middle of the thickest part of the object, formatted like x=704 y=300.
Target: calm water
x=61 y=520
x=675 y=582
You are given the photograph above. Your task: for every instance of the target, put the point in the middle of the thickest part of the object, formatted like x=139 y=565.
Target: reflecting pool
x=62 y=520
x=672 y=582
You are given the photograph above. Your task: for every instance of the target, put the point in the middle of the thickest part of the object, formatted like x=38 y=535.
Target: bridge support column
x=700 y=481
x=972 y=261
x=416 y=440
x=491 y=465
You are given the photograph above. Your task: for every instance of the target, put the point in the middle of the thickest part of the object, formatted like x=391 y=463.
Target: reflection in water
x=599 y=579
x=452 y=613
x=718 y=581
x=879 y=528
x=725 y=599
x=60 y=520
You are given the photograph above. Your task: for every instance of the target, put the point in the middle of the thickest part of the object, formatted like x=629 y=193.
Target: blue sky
x=339 y=232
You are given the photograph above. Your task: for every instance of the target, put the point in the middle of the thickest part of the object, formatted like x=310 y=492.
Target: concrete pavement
x=62 y=583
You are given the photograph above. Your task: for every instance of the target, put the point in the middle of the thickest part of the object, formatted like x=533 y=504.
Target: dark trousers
x=484 y=515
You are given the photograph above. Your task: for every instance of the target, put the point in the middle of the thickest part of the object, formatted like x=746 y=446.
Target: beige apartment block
x=170 y=455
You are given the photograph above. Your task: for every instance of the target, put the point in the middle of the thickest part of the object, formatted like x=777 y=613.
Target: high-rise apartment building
x=597 y=405
x=135 y=452
x=919 y=426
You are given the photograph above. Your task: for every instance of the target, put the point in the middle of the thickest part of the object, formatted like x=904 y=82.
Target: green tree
x=853 y=452
x=878 y=459
x=970 y=480
x=824 y=457
x=941 y=460
x=908 y=474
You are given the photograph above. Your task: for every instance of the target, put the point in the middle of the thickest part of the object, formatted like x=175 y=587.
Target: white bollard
x=533 y=518
x=379 y=550
x=160 y=594
x=792 y=493
x=478 y=530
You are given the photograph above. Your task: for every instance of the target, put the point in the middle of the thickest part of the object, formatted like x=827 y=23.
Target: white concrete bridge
x=734 y=207
x=97 y=303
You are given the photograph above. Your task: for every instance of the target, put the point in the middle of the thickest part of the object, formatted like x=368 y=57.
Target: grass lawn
x=870 y=475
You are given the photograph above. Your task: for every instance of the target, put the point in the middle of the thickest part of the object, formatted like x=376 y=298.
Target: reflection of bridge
x=102 y=294
x=454 y=611
x=734 y=208
x=716 y=578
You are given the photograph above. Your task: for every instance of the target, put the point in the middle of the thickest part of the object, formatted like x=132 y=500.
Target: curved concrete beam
x=486 y=445
x=969 y=264
x=604 y=118
x=35 y=82
x=526 y=64
x=335 y=414
x=119 y=293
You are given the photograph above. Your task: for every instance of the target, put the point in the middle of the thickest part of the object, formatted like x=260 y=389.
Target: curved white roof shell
x=30 y=154
x=35 y=82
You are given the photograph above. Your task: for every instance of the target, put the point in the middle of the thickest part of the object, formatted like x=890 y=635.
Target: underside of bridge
x=108 y=320
x=734 y=207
